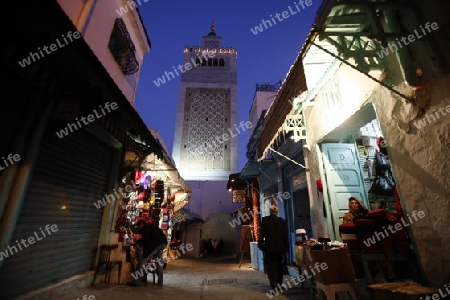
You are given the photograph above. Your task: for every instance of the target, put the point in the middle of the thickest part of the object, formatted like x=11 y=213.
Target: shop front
x=59 y=201
x=153 y=192
x=347 y=154
x=294 y=194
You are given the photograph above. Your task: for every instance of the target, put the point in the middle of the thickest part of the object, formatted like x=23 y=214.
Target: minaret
x=206 y=132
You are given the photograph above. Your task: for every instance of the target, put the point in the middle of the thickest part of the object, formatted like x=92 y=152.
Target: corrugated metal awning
x=253 y=168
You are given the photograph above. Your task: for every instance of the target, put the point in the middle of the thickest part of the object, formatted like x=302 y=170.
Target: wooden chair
x=105 y=261
x=330 y=290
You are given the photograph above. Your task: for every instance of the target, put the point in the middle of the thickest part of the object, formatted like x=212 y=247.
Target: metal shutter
x=73 y=172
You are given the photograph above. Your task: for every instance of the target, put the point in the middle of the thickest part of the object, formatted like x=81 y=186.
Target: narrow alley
x=195 y=278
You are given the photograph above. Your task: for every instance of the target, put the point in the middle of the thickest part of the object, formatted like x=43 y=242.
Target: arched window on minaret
x=216 y=62
x=221 y=62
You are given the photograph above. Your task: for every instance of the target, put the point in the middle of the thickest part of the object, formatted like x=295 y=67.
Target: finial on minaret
x=213 y=27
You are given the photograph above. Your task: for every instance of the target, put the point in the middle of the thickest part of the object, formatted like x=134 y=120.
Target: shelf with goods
x=367 y=150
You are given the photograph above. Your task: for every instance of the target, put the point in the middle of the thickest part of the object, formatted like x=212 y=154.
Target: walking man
x=273 y=241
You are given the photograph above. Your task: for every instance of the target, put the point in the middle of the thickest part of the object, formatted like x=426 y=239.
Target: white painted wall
x=322 y=118
x=209 y=197
x=261 y=101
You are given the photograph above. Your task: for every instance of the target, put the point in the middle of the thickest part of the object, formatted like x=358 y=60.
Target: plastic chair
x=105 y=261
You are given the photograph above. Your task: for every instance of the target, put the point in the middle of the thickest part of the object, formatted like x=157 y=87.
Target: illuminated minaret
x=205 y=143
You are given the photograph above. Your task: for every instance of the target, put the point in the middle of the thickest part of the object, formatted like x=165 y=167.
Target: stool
x=330 y=290
x=151 y=262
x=105 y=260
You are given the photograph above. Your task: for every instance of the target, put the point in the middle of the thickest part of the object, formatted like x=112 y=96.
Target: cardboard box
x=340 y=266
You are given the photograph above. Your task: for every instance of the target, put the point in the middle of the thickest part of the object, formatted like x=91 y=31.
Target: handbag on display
x=382 y=161
x=139 y=177
x=382 y=185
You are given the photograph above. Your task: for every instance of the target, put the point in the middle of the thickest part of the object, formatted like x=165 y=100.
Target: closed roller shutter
x=70 y=174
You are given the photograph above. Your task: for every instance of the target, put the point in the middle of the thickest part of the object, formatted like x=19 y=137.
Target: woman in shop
x=356 y=210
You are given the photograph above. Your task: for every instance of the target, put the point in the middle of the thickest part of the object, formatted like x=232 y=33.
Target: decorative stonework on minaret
x=207 y=111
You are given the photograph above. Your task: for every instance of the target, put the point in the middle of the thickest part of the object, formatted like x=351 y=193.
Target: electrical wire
x=282 y=155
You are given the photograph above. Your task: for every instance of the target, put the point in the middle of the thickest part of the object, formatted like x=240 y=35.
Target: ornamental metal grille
x=206 y=126
x=122 y=48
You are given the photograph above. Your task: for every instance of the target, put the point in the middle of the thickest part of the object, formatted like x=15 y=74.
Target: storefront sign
x=131 y=160
x=238 y=196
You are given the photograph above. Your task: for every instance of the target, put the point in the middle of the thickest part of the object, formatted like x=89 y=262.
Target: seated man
x=153 y=242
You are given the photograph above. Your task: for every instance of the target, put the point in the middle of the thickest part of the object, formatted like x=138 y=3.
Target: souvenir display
x=145 y=197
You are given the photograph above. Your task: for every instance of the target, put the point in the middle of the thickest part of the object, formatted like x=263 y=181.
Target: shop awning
x=165 y=171
x=293 y=85
x=253 y=168
x=181 y=199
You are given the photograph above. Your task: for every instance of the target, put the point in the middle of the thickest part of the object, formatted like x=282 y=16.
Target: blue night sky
x=262 y=58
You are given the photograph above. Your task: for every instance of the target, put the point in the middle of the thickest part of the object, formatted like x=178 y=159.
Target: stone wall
x=420 y=158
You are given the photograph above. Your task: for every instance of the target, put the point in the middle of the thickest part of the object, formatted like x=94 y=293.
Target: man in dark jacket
x=153 y=242
x=273 y=241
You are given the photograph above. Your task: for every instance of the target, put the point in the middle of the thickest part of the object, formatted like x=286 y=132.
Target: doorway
x=345 y=157
x=302 y=212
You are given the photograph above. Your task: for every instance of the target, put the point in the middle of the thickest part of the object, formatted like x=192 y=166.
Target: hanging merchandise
x=153 y=184
x=139 y=177
x=165 y=219
x=146 y=206
x=146 y=182
x=141 y=196
x=152 y=199
x=381 y=144
x=382 y=161
x=383 y=184
x=319 y=185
